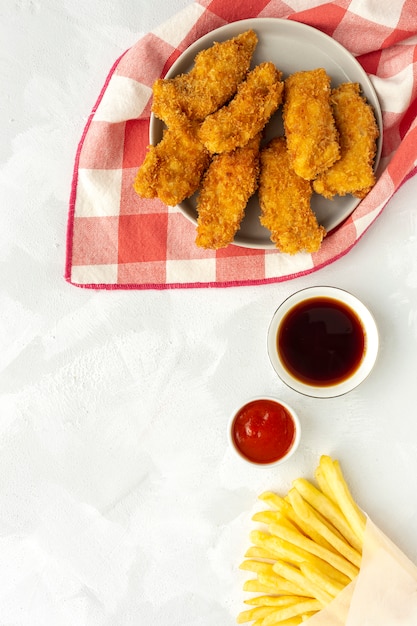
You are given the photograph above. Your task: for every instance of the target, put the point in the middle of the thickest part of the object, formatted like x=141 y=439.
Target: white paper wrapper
x=383 y=594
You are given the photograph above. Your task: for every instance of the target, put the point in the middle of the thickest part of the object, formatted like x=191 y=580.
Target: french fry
x=310 y=550
x=279 y=585
x=307 y=513
x=284 y=513
x=328 y=570
x=254 y=614
x=251 y=565
x=320 y=578
x=323 y=484
x=342 y=496
x=255 y=552
x=328 y=523
x=273 y=499
x=281 y=506
x=328 y=508
x=292 y=621
x=309 y=588
x=254 y=585
x=277 y=548
x=305 y=526
x=274 y=600
x=298 y=609
x=283 y=510
x=270 y=517
x=267 y=577
x=336 y=560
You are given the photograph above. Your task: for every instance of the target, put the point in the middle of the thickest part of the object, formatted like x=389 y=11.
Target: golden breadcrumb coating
x=284 y=198
x=358 y=132
x=229 y=182
x=172 y=169
x=212 y=81
x=309 y=126
x=257 y=98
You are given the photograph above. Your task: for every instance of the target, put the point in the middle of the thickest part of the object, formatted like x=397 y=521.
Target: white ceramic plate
x=292 y=47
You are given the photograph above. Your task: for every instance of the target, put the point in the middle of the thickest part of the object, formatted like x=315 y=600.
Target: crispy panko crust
x=212 y=81
x=172 y=169
x=257 y=98
x=309 y=125
x=229 y=182
x=284 y=198
x=358 y=132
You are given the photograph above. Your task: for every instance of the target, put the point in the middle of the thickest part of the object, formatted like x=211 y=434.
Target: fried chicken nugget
x=358 y=132
x=257 y=98
x=172 y=169
x=229 y=182
x=284 y=198
x=310 y=129
x=212 y=81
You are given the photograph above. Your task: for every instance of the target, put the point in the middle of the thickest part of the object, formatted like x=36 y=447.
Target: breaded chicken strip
x=257 y=98
x=172 y=169
x=229 y=182
x=284 y=198
x=309 y=126
x=212 y=81
x=358 y=132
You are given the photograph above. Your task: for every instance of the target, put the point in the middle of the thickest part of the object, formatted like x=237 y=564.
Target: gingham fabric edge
x=238 y=283
x=74 y=180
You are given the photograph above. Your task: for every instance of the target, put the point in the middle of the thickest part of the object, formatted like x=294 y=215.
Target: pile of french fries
x=310 y=550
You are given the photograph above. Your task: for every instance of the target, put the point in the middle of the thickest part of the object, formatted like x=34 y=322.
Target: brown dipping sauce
x=321 y=341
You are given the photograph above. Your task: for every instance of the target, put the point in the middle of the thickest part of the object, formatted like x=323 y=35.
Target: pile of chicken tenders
x=213 y=144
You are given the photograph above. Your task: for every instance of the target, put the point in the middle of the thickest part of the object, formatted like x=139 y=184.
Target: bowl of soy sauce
x=323 y=341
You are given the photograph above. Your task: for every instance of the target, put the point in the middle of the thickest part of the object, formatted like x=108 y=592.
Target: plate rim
x=240 y=26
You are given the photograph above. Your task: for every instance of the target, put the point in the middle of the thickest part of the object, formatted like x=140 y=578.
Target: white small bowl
x=354 y=376
x=289 y=451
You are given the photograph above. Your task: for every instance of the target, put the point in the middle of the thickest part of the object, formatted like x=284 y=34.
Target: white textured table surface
x=120 y=503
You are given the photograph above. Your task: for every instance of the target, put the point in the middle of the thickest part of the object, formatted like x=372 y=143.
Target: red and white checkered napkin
x=118 y=240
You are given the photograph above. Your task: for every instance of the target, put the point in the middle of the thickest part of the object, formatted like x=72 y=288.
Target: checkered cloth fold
x=117 y=240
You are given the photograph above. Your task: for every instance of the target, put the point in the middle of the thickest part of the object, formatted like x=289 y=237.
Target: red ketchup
x=263 y=431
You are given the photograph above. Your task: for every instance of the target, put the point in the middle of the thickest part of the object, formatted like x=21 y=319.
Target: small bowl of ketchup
x=264 y=431
x=323 y=342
